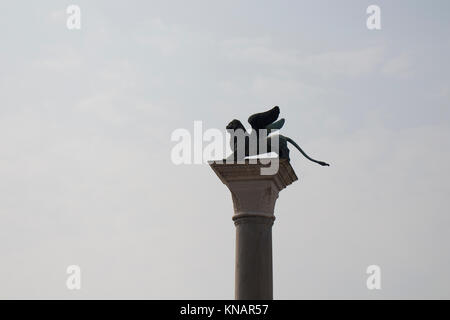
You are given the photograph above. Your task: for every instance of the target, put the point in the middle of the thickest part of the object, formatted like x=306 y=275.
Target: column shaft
x=253 y=276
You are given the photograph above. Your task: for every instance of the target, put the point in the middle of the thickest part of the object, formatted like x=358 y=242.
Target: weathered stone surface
x=254 y=196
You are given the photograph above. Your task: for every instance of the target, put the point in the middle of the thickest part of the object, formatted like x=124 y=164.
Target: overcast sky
x=86 y=116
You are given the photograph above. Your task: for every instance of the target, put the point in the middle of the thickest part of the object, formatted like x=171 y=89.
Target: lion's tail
x=303 y=153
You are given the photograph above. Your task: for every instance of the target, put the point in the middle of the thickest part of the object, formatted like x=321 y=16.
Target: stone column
x=254 y=197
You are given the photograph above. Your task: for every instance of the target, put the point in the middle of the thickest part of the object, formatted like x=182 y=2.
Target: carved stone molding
x=254 y=194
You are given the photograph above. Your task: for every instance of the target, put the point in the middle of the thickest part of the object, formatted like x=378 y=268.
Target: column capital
x=254 y=195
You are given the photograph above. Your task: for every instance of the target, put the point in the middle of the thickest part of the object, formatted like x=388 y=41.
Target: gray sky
x=86 y=117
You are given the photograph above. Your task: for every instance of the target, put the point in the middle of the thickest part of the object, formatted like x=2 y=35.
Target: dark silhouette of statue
x=262 y=124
